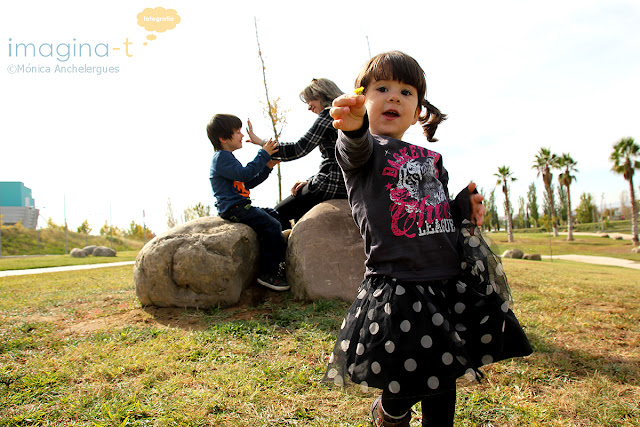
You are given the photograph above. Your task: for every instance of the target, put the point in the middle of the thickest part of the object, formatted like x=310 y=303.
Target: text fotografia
x=61 y=69
x=64 y=51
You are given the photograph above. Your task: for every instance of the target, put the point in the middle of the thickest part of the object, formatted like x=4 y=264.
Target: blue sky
x=512 y=76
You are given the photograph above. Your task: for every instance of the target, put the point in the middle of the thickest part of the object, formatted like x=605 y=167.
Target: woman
x=328 y=182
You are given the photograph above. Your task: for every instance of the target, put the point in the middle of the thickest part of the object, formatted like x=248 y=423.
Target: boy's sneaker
x=380 y=419
x=273 y=282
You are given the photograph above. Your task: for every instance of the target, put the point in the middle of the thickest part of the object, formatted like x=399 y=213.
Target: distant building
x=17 y=205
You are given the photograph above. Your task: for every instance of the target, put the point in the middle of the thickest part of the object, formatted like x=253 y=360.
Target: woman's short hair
x=322 y=89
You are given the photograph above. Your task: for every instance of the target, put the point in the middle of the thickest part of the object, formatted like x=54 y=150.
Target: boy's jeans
x=266 y=223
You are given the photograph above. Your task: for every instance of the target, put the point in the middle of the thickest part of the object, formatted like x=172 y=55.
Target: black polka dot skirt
x=416 y=338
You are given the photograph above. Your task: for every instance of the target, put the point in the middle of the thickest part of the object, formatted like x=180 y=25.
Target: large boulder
x=103 y=251
x=325 y=254
x=203 y=263
x=78 y=253
x=89 y=249
x=513 y=253
x=533 y=257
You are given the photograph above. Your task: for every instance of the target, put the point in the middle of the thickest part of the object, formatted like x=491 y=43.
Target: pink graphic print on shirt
x=419 y=204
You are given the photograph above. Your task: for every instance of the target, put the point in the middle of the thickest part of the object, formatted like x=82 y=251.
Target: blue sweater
x=231 y=181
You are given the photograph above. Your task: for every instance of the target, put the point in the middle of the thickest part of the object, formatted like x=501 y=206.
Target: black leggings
x=438 y=410
x=293 y=207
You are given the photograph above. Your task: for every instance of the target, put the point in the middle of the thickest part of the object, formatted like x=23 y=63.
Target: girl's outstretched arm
x=477 y=208
x=348 y=112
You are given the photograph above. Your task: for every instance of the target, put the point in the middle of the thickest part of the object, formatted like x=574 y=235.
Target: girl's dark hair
x=323 y=89
x=401 y=67
x=222 y=126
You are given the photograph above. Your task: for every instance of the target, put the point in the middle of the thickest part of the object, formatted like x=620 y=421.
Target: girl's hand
x=253 y=138
x=272 y=163
x=477 y=208
x=297 y=187
x=348 y=111
x=270 y=146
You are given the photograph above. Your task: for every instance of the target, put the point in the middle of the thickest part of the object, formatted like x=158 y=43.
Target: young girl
x=434 y=304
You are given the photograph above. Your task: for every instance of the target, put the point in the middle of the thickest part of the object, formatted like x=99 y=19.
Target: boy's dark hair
x=401 y=67
x=222 y=126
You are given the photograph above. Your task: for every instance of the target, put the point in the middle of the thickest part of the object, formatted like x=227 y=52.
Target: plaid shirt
x=328 y=182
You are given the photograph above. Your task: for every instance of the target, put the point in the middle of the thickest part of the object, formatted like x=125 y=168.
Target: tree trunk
x=569 y=218
x=634 y=214
x=507 y=211
x=552 y=208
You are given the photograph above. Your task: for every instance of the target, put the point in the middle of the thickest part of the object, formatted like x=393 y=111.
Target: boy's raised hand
x=348 y=111
x=270 y=146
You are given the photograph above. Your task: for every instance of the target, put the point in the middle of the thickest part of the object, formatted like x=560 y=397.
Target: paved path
x=65 y=268
x=602 y=260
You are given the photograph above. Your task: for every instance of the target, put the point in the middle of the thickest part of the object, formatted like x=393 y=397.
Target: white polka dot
x=431 y=290
x=504 y=324
x=344 y=323
x=505 y=306
x=362 y=294
x=470 y=374
x=364 y=386
x=443 y=294
x=499 y=270
x=461 y=287
x=394 y=387
x=376 y=368
x=371 y=313
x=387 y=308
x=351 y=368
x=426 y=341
x=338 y=380
x=460 y=327
x=417 y=306
x=487 y=359
x=389 y=346
x=360 y=349
x=484 y=320
x=489 y=290
x=474 y=242
x=344 y=345
x=459 y=307
x=465 y=232
x=405 y=326
x=332 y=358
x=431 y=307
x=377 y=293
x=480 y=265
x=400 y=290
x=420 y=289
x=463 y=265
x=437 y=319
x=486 y=339
x=445 y=325
x=358 y=311
x=447 y=358
x=374 y=328
x=331 y=373
x=456 y=337
x=462 y=360
x=433 y=383
x=410 y=365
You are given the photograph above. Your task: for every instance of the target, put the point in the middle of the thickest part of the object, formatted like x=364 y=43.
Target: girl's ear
x=416 y=115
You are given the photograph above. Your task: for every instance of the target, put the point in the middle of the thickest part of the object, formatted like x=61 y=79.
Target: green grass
x=583 y=245
x=76 y=348
x=24 y=263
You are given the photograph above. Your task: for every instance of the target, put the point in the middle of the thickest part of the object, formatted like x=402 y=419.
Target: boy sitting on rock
x=231 y=183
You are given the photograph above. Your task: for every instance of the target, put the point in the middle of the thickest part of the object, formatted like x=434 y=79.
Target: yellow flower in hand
x=359 y=91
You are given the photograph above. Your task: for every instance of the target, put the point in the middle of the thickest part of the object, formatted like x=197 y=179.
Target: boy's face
x=392 y=107
x=234 y=143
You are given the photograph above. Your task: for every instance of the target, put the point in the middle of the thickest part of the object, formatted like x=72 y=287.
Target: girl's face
x=315 y=106
x=392 y=107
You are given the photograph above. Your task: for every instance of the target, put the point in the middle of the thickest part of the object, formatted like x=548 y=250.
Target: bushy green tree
x=586 y=209
x=196 y=211
x=84 y=228
x=532 y=204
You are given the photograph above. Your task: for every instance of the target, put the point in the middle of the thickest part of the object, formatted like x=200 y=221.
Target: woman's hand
x=297 y=187
x=348 y=111
x=253 y=138
x=270 y=147
x=272 y=163
x=477 y=208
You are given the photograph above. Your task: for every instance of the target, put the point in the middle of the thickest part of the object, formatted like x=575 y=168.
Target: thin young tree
x=567 y=166
x=505 y=176
x=545 y=162
x=275 y=113
x=626 y=159
x=532 y=204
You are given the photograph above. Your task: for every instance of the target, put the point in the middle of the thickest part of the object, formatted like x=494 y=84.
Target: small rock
x=513 y=253
x=532 y=257
x=103 y=251
x=618 y=237
x=78 y=253
x=605 y=235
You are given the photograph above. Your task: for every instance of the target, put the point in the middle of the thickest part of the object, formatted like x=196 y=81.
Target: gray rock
x=325 y=254
x=533 y=257
x=89 y=249
x=605 y=235
x=636 y=250
x=104 y=251
x=203 y=263
x=513 y=253
x=78 y=253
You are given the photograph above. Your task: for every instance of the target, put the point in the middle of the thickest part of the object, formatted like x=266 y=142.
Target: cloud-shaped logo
x=158 y=19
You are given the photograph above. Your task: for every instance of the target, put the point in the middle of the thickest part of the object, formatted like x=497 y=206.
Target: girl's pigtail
x=430 y=120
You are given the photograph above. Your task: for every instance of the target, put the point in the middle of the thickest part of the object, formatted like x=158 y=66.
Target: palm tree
x=625 y=158
x=565 y=178
x=504 y=175
x=545 y=161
